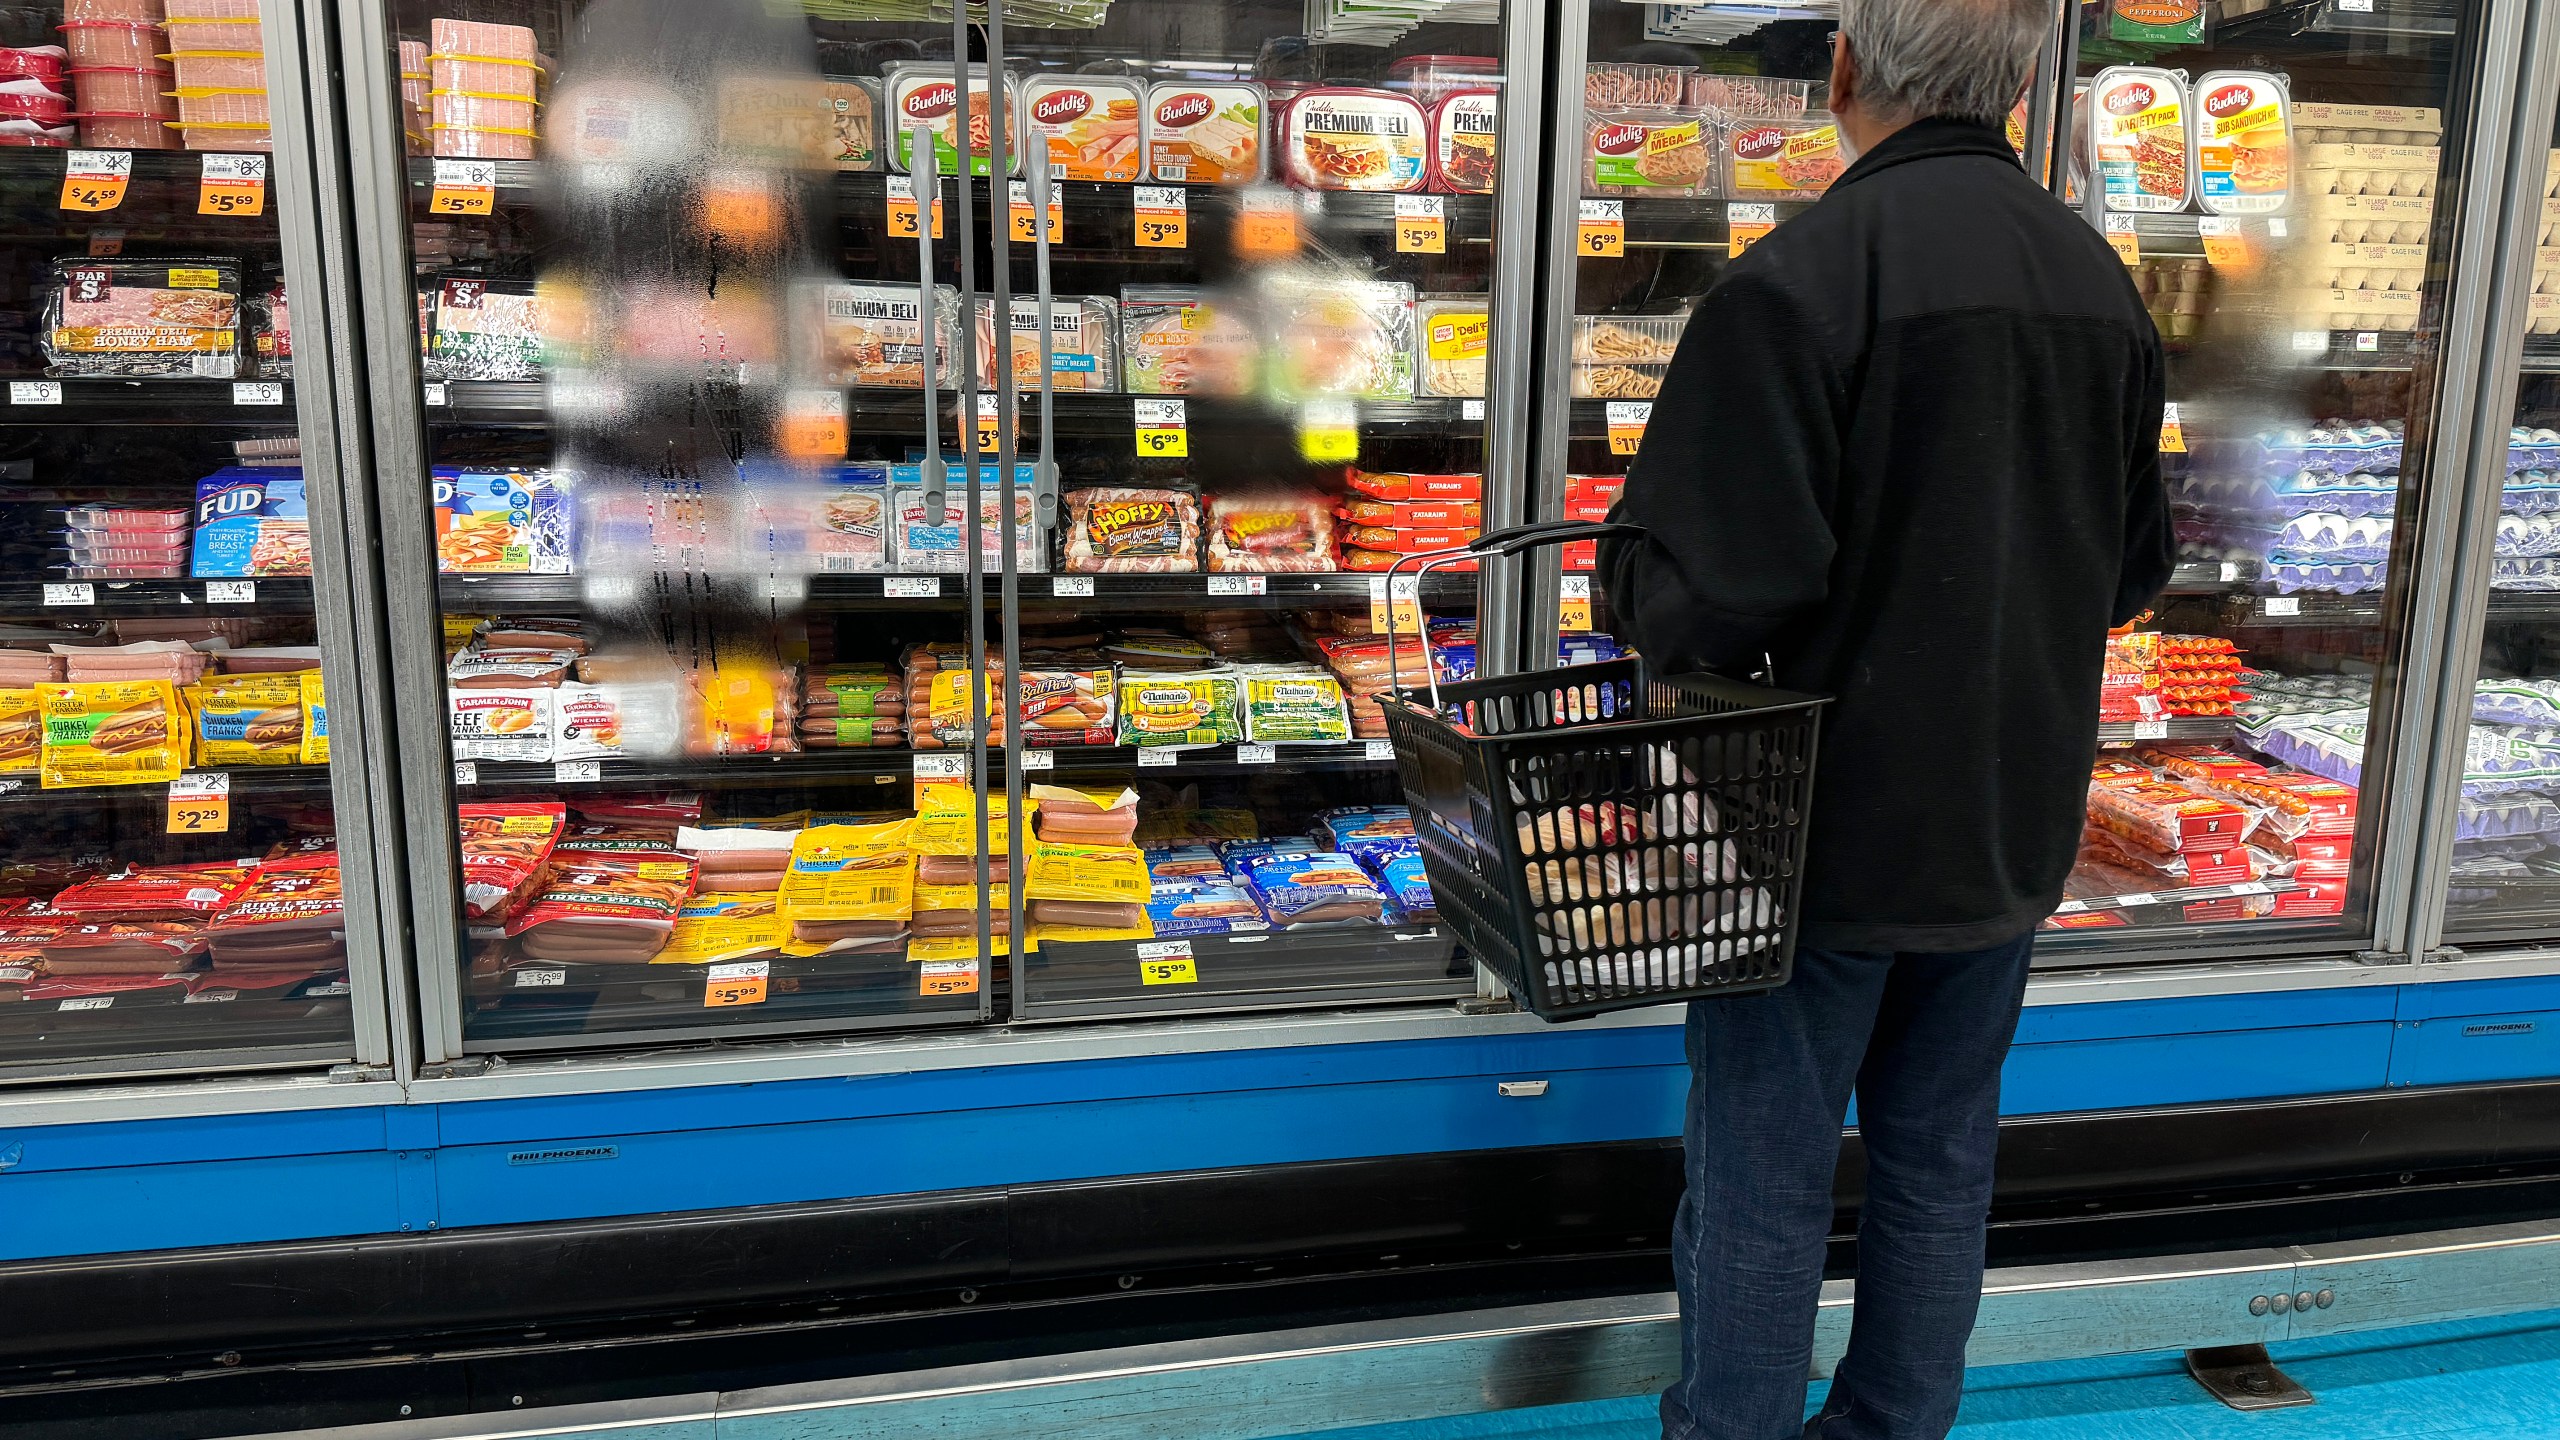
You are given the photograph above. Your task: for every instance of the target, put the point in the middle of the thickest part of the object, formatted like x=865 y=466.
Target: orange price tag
x=1267 y=223
x=1395 y=608
x=904 y=213
x=814 y=425
x=94 y=180
x=233 y=185
x=200 y=803
x=990 y=425
x=1018 y=214
x=464 y=187
x=740 y=982
x=2225 y=246
x=1627 y=419
x=1573 y=606
x=2126 y=240
x=106 y=242
x=1163 y=217
x=947 y=977
x=1747 y=225
x=1422 y=225
x=1602 y=232
x=2173 y=433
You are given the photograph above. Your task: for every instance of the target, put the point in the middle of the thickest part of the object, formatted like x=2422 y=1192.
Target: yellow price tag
x=94 y=180
x=740 y=982
x=200 y=803
x=947 y=977
x=1573 y=608
x=1422 y=225
x=1267 y=223
x=1164 y=431
x=233 y=185
x=2126 y=240
x=905 y=216
x=814 y=425
x=1163 y=217
x=1395 y=604
x=1602 y=232
x=1329 y=432
x=2173 y=433
x=1018 y=215
x=1167 y=962
x=2225 y=246
x=1747 y=225
x=1627 y=419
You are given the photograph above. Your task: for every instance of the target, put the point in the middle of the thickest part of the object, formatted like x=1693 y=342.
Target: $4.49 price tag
x=1573 y=605
x=1422 y=225
x=1166 y=962
x=1746 y=225
x=464 y=187
x=1602 y=233
x=1018 y=215
x=740 y=982
x=1402 y=614
x=1627 y=419
x=233 y=185
x=1164 y=432
x=94 y=180
x=903 y=211
x=1163 y=217
x=200 y=803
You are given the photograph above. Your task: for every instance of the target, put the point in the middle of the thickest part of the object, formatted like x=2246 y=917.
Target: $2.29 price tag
x=233 y=185
x=200 y=803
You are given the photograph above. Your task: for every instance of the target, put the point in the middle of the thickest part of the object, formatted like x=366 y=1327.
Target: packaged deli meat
x=140 y=318
x=1276 y=530
x=924 y=547
x=1649 y=152
x=1120 y=529
x=925 y=93
x=2139 y=136
x=483 y=329
x=1463 y=131
x=1433 y=78
x=1084 y=351
x=251 y=520
x=1312 y=889
x=1090 y=124
x=1333 y=138
x=2243 y=143
x=1453 y=337
x=1339 y=337
x=1183 y=340
x=853 y=122
x=1609 y=83
x=1781 y=159
x=867 y=334
x=1205 y=134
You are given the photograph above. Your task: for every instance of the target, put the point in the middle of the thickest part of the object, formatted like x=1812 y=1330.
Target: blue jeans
x=1921 y=1037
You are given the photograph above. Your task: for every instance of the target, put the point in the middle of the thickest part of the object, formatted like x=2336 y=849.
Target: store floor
x=2481 y=1378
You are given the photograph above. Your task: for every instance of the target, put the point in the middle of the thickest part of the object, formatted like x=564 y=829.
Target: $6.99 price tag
x=1163 y=429
x=1602 y=232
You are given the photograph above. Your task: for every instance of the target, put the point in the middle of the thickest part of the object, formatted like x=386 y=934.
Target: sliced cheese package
x=117 y=732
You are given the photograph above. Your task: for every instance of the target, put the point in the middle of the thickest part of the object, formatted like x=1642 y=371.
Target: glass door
x=174 y=622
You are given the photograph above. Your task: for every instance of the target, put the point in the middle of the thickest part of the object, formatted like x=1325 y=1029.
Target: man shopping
x=1907 y=452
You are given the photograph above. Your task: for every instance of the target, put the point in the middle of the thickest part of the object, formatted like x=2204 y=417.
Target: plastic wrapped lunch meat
x=1453 y=339
x=1115 y=529
x=1649 y=152
x=1464 y=128
x=1090 y=124
x=485 y=330
x=853 y=120
x=867 y=334
x=1206 y=134
x=1334 y=138
x=1336 y=336
x=1781 y=159
x=131 y=318
x=1182 y=340
x=1084 y=353
x=1276 y=531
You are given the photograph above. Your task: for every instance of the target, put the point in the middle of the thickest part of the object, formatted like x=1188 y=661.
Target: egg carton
x=2356 y=309
x=2367 y=267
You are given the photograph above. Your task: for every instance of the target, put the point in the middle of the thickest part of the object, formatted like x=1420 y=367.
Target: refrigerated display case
x=700 y=312
x=175 y=800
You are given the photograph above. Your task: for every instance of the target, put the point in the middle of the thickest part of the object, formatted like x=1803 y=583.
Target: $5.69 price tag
x=1602 y=232
x=1163 y=430
x=1018 y=215
x=94 y=180
x=1163 y=217
x=233 y=185
x=903 y=211
x=1627 y=419
x=464 y=187
x=1422 y=225
x=200 y=803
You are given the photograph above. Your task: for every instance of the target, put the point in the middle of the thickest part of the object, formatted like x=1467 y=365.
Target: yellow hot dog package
x=1109 y=874
x=315 y=720
x=21 y=731
x=248 y=719
x=850 y=872
x=715 y=927
x=113 y=732
x=946 y=820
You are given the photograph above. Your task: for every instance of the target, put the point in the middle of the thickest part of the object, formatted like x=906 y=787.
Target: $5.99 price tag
x=740 y=982
x=903 y=216
x=1163 y=217
x=1167 y=962
x=1018 y=214
x=947 y=977
x=200 y=803
x=1163 y=430
x=1422 y=225
x=94 y=180
x=233 y=185
x=1401 y=614
x=464 y=187
x=1627 y=419
x=1602 y=233
x=2125 y=238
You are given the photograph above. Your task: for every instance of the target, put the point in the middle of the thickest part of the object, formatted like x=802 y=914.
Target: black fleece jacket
x=1908 y=450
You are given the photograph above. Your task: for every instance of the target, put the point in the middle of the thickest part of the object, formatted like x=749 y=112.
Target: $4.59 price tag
x=1401 y=615
x=200 y=803
x=1018 y=215
x=1573 y=605
x=94 y=180
x=464 y=187
x=1163 y=430
x=1627 y=419
x=1422 y=225
x=903 y=211
x=233 y=185
x=1602 y=233
x=1163 y=217
x=740 y=982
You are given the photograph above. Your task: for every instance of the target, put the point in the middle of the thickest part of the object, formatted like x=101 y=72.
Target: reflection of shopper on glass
x=1908 y=451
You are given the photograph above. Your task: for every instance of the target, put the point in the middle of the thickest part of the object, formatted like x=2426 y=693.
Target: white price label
x=578 y=772
x=257 y=392
x=235 y=167
x=2277 y=607
x=1072 y=587
x=1256 y=754
x=912 y=587
x=87 y=1002
x=79 y=592
x=1160 y=412
x=537 y=979
x=2150 y=729
x=231 y=592
x=2137 y=898
x=942 y=767
x=1039 y=759
x=467 y=174
x=438 y=394
x=1163 y=950
x=1162 y=197
x=1378 y=750
x=210 y=997
x=2251 y=887
x=739 y=970
x=35 y=392
x=2069 y=907
x=2311 y=342
x=201 y=785
x=1471 y=410
x=2230 y=572
x=2359 y=7
x=1421 y=207
x=1158 y=759
x=2277 y=229
x=1239 y=585
x=2367 y=342
x=12 y=787
x=466 y=772
x=1603 y=212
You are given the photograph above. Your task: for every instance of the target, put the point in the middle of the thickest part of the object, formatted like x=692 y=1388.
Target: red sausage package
x=166 y=892
x=595 y=909
x=504 y=847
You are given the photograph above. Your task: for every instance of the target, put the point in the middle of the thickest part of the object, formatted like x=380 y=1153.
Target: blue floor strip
x=2470 y=1380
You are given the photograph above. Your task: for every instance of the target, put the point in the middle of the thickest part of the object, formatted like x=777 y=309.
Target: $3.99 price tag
x=1167 y=962
x=200 y=803
x=1401 y=615
x=1602 y=233
x=1018 y=215
x=814 y=425
x=94 y=180
x=233 y=185
x=1163 y=217
x=1746 y=225
x=1163 y=430
x=464 y=187
x=947 y=977
x=903 y=211
x=740 y=982
x=990 y=426
x=1422 y=225
x=1573 y=605
x=1627 y=419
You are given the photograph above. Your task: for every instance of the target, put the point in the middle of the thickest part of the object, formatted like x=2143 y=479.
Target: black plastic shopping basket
x=1603 y=837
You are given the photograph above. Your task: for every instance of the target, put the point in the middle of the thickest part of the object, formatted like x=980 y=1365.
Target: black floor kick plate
x=2244 y=1378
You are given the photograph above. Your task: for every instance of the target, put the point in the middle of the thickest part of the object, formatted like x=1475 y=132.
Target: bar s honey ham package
x=117 y=732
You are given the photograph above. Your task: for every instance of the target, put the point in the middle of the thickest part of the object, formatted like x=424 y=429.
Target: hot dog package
x=292 y=915
x=1310 y=889
x=160 y=892
x=1072 y=706
x=21 y=731
x=505 y=845
x=1294 y=704
x=1085 y=815
x=1210 y=905
x=248 y=719
x=946 y=820
x=738 y=861
x=315 y=719
x=849 y=873
x=1120 y=529
x=1278 y=531
x=1185 y=708
x=599 y=909
x=1097 y=874
x=713 y=929
x=121 y=732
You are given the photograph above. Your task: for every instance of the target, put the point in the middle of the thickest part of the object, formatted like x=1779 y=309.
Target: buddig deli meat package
x=2138 y=132
x=1207 y=134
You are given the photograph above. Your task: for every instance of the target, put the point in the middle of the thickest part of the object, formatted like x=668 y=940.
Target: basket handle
x=1511 y=540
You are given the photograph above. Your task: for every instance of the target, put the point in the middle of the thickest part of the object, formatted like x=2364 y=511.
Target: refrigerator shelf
x=1108 y=592
x=248 y=783
x=2195 y=895
x=888 y=764
x=92 y=401
x=273 y=595
x=2185 y=727
x=1332 y=965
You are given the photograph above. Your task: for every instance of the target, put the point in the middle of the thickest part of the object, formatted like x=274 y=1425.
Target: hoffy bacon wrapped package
x=595 y=908
x=1271 y=531
x=1124 y=529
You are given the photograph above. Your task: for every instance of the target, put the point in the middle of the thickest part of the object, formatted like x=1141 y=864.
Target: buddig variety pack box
x=252 y=521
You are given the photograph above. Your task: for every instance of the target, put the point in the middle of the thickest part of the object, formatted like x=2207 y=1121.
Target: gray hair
x=1962 y=59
